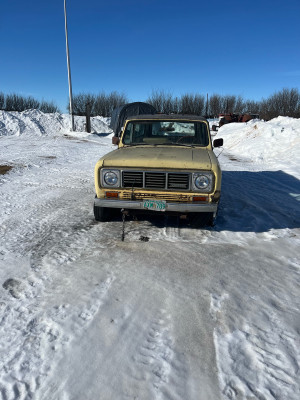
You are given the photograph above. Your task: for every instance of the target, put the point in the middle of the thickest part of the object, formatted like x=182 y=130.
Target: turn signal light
x=112 y=194
x=198 y=198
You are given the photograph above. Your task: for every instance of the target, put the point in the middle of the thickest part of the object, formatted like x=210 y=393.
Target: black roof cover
x=168 y=117
x=120 y=114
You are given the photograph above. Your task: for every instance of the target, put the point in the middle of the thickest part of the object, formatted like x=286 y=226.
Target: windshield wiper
x=177 y=144
x=137 y=144
x=161 y=144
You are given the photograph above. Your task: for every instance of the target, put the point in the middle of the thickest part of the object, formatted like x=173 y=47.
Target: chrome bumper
x=138 y=205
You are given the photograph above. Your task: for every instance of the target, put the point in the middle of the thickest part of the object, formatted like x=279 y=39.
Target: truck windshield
x=166 y=132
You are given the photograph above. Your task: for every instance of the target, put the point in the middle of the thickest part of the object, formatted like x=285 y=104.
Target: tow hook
x=124 y=214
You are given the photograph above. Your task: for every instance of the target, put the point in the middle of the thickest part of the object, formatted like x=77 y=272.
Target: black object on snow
x=120 y=114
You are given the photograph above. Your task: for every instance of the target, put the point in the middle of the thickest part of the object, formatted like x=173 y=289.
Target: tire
x=102 y=214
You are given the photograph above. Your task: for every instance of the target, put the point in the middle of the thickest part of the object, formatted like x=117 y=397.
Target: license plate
x=155 y=205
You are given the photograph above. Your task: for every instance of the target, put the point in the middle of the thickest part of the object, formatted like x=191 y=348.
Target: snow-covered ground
x=188 y=315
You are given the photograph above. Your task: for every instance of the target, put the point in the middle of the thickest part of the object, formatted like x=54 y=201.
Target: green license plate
x=155 y=205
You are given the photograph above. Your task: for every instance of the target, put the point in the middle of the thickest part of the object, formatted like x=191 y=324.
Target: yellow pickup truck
x=164 y=163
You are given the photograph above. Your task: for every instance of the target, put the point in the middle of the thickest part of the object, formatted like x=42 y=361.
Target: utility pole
x=69 y=70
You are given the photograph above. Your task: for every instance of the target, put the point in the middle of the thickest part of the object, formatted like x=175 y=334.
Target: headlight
x=203 y=181
x=110 y=178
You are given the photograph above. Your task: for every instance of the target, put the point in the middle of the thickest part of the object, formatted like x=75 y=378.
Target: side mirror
x=115 y=140
x=218 y=143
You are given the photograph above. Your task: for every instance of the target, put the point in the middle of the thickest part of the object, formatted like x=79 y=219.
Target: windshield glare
x=166 y=132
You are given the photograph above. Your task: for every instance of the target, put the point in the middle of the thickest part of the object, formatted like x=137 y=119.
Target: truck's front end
x=163 y=163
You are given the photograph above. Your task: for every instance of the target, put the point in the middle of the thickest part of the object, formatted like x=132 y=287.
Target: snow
x=190 y=314
x=36 y=123
x=275 y=143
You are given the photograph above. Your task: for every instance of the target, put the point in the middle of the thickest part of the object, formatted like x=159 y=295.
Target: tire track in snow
x=37 y=337
x=257 y=361
x=155 y=356
x=133 y=339
x=28 y=358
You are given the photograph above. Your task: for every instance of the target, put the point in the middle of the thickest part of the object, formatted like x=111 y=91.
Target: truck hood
x=158 y=157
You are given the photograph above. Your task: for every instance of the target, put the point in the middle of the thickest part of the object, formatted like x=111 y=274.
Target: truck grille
x=155 y=180
x=132 y=179
x=178 y=181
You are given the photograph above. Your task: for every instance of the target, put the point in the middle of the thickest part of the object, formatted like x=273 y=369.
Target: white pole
x=69 y=70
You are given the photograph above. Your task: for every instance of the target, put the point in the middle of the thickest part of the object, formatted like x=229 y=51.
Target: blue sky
x=248 y=48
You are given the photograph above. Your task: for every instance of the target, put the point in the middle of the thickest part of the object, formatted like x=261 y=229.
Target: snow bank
x=37 y=123
x=276 y=141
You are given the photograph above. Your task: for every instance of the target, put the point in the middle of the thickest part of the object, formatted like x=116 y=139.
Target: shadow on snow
x=250 y=202
x=258 y=201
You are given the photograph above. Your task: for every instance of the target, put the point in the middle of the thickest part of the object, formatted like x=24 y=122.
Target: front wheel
x=101 y=214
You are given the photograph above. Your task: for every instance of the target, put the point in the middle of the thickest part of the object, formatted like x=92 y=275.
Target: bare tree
x=31 y=103
x=176 y=105
x=186 y=104
x=114 y=100
x=240 y=106
x=168 y=105
x=82 y=103
x=100 y=106
x=2 y=101
x=14 y=102
x=252 y=107
x=106 y=103
x=48 y=107
x=228 y=104
x=285 y=103
x=157 y=99
x=214 y=105
x=192 y=104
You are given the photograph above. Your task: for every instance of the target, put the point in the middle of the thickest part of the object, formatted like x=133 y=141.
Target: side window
x=128 y=134
x=201 y=133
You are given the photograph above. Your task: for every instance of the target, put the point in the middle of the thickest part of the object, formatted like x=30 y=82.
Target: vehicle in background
x=228 y=118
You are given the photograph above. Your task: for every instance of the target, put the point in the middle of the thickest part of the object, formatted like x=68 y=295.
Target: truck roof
x=178 y=117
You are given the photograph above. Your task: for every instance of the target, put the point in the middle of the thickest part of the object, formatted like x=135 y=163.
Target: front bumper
x=177 y=207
